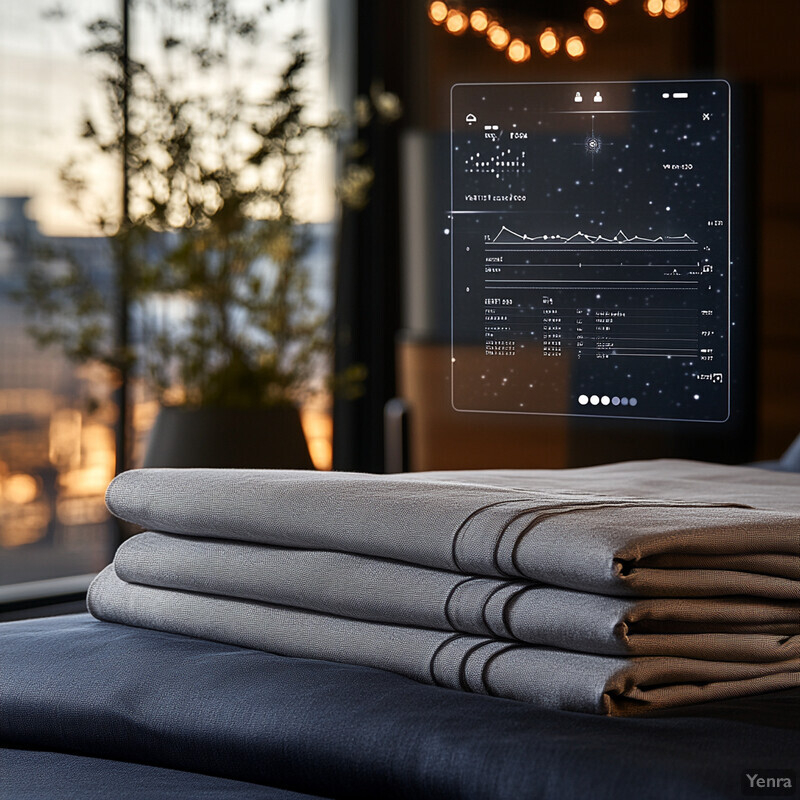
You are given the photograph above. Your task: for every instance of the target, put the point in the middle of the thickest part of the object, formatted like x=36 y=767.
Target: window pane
x=56 y=419
x=60 y=203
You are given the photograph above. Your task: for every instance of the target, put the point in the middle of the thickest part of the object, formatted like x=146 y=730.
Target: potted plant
x=208 y=253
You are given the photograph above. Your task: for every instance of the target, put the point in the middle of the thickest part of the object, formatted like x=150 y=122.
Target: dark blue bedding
x=80 y=686
x=36 y=775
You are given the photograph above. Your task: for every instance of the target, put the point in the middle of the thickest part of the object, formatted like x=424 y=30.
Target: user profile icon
x=598 y=98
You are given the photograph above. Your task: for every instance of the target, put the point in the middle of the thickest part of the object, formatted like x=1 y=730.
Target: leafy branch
x=213 y=252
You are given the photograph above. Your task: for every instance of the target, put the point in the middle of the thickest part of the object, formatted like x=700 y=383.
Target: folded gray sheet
x=617 y=589
x=545 y=676
x=380 y=590
x=657 y=528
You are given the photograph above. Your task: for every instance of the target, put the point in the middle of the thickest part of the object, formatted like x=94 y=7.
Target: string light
x=518 y=51
x=674 y=7
x=479 y=20
x=457 y=21
x=548 y=42
x=575 y=47
x=595 y=20
x=654 y=7
x=498 y=36
x=437 y=11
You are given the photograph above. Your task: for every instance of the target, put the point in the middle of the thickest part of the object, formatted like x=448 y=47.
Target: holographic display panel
x=590 y=236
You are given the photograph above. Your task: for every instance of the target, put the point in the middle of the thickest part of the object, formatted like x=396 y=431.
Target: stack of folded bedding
x=614 y=590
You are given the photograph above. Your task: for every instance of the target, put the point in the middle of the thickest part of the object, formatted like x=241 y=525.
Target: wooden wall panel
x=758 y=46
x=442 y=438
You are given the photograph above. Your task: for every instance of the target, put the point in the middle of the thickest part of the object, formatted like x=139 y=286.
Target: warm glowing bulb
x=612 y=2
x=499 y=37
x=548 y=41
x=437 y=11
x=673 y=7
x=456 y=21
x=575 y=47
x=594 y=19
x=479 y=20
x=20 y=489
x=518 y=51
x=653 y=7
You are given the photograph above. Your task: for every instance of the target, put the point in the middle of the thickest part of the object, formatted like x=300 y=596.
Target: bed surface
x=97 y=690
x=34 y=775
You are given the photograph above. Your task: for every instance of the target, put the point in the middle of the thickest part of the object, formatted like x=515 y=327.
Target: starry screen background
x=623 y=311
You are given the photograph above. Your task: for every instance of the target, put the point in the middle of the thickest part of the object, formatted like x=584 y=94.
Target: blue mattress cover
x=80 y=686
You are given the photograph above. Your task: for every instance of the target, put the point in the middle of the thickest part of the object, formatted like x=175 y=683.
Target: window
x=58 y=416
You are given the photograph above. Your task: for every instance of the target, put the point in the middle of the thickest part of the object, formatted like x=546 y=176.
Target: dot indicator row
x=605 y=400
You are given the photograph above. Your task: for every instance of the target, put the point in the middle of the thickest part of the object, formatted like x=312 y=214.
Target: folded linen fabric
x=545 y=676
x=618 y=589
x=380 y=590
x=657 y=529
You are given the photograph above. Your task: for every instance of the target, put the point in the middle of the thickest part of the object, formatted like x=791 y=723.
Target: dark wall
x=756 y=44
x=396 y=245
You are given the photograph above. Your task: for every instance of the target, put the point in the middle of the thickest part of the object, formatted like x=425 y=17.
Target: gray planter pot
x=249 y=438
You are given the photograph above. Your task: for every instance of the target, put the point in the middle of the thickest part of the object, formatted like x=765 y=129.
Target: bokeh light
x=518 y=51
x=437 y=11
x=479 y=20
x=674 y=7
x=575 y=47
x=457 y=21
x=20 y=488
x=654 y=7
x=594 y=19
x=498 y=36
x=548 y=41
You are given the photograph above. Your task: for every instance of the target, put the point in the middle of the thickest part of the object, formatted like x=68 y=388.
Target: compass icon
x=593 y=143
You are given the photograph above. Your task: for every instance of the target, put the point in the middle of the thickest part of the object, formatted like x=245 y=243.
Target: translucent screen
x=590 y=249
